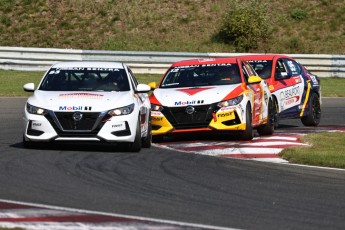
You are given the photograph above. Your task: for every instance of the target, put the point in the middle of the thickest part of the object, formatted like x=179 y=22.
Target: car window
x=201 y=75
x=262 y=67
x=85 y=79
x=281 y=69
x=293 y=67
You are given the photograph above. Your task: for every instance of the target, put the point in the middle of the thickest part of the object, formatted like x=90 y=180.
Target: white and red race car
x=89 y=102
x=211 y=95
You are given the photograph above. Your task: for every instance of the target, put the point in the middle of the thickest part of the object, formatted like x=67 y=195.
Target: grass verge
x=12 y=83
x=327 y=150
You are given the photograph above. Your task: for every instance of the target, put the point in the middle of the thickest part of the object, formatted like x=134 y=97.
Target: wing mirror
x=254 y=79
x=153 y=85
x=143 y=88
x=29 y=87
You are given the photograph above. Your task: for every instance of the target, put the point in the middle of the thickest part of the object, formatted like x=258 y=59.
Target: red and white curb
x=30 y=216
x=265 y=148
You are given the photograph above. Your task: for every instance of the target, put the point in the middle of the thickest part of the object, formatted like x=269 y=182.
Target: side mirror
x=254 y=79
x=143 y=88
x=153 y=85
x=29 y=87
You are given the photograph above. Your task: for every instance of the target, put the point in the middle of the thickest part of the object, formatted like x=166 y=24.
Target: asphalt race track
x=170 y=185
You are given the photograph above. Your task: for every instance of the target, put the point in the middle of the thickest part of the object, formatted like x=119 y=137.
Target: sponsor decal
x=292 y=100
x=118 y=126
x=156 y=118
x=224 y=114
x=194 y=102
x=193 y=91
x=71 y=108
x=36 y=124
x=289 y=96
x=81 y=95
x=290 y=92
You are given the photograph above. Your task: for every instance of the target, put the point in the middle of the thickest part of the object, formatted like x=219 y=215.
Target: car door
x=288 y=84
x=257 y=92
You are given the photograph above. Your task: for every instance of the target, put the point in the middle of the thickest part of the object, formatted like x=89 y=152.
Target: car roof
x=201 y=61
x=89 y=64
x=262 y=57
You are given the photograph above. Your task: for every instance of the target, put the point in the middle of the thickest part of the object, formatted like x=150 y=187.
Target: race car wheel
x=248 y=134
x=314 y=112
x=146 y=141
x=136 y=145
x=268 y=128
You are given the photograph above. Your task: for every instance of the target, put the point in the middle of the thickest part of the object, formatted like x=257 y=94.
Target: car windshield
x=262 y=67
x=85 y=79
x=201 y=75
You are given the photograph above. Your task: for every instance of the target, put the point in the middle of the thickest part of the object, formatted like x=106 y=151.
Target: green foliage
x=245 y=24
x=298 y=14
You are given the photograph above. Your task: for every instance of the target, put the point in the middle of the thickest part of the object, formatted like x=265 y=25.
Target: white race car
x=88 y=101
x=211 y=95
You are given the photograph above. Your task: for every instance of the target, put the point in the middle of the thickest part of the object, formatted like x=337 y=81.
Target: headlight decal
x=231 y=102
x=35 y=110
x=122 y=111
x=155 y=107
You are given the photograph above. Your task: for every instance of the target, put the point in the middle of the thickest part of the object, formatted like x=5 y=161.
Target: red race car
x=296 y=92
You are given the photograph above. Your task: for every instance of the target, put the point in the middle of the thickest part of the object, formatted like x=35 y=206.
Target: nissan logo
x=190 y=109
x=77 y=116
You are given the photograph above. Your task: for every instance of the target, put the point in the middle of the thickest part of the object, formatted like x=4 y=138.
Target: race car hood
x=193 y=96
x=80 y=101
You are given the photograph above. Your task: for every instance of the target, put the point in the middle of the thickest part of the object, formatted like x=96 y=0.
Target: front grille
x=66 y=126
x=68 y=123
x=180 y=119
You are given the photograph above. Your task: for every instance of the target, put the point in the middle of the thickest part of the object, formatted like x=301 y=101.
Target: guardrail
x=40 y=59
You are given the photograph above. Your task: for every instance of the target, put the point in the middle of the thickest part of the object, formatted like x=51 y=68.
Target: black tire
x=248 y=134
x=314 y=112
x=268 y=128
x=147 y=141
x=276 y=113
x=136 y=145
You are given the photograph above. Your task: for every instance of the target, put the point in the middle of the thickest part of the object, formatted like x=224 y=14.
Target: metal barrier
x=40 y=59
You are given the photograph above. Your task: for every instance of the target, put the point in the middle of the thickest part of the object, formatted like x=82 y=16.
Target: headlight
x=156 y=107
x=231 y=102
x=35 y=110
x=122 y=111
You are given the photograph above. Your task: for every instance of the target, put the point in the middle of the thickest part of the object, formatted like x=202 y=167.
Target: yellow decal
x=306 y=99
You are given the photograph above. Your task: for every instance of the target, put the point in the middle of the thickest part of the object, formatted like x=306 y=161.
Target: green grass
x=150 y=25
x=327 y=149
x=11 y=228
x=333 y=87
x=12 y=83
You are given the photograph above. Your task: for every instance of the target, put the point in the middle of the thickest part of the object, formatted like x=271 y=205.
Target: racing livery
x=296 y=92
x=205 y=95
x=88 y=101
